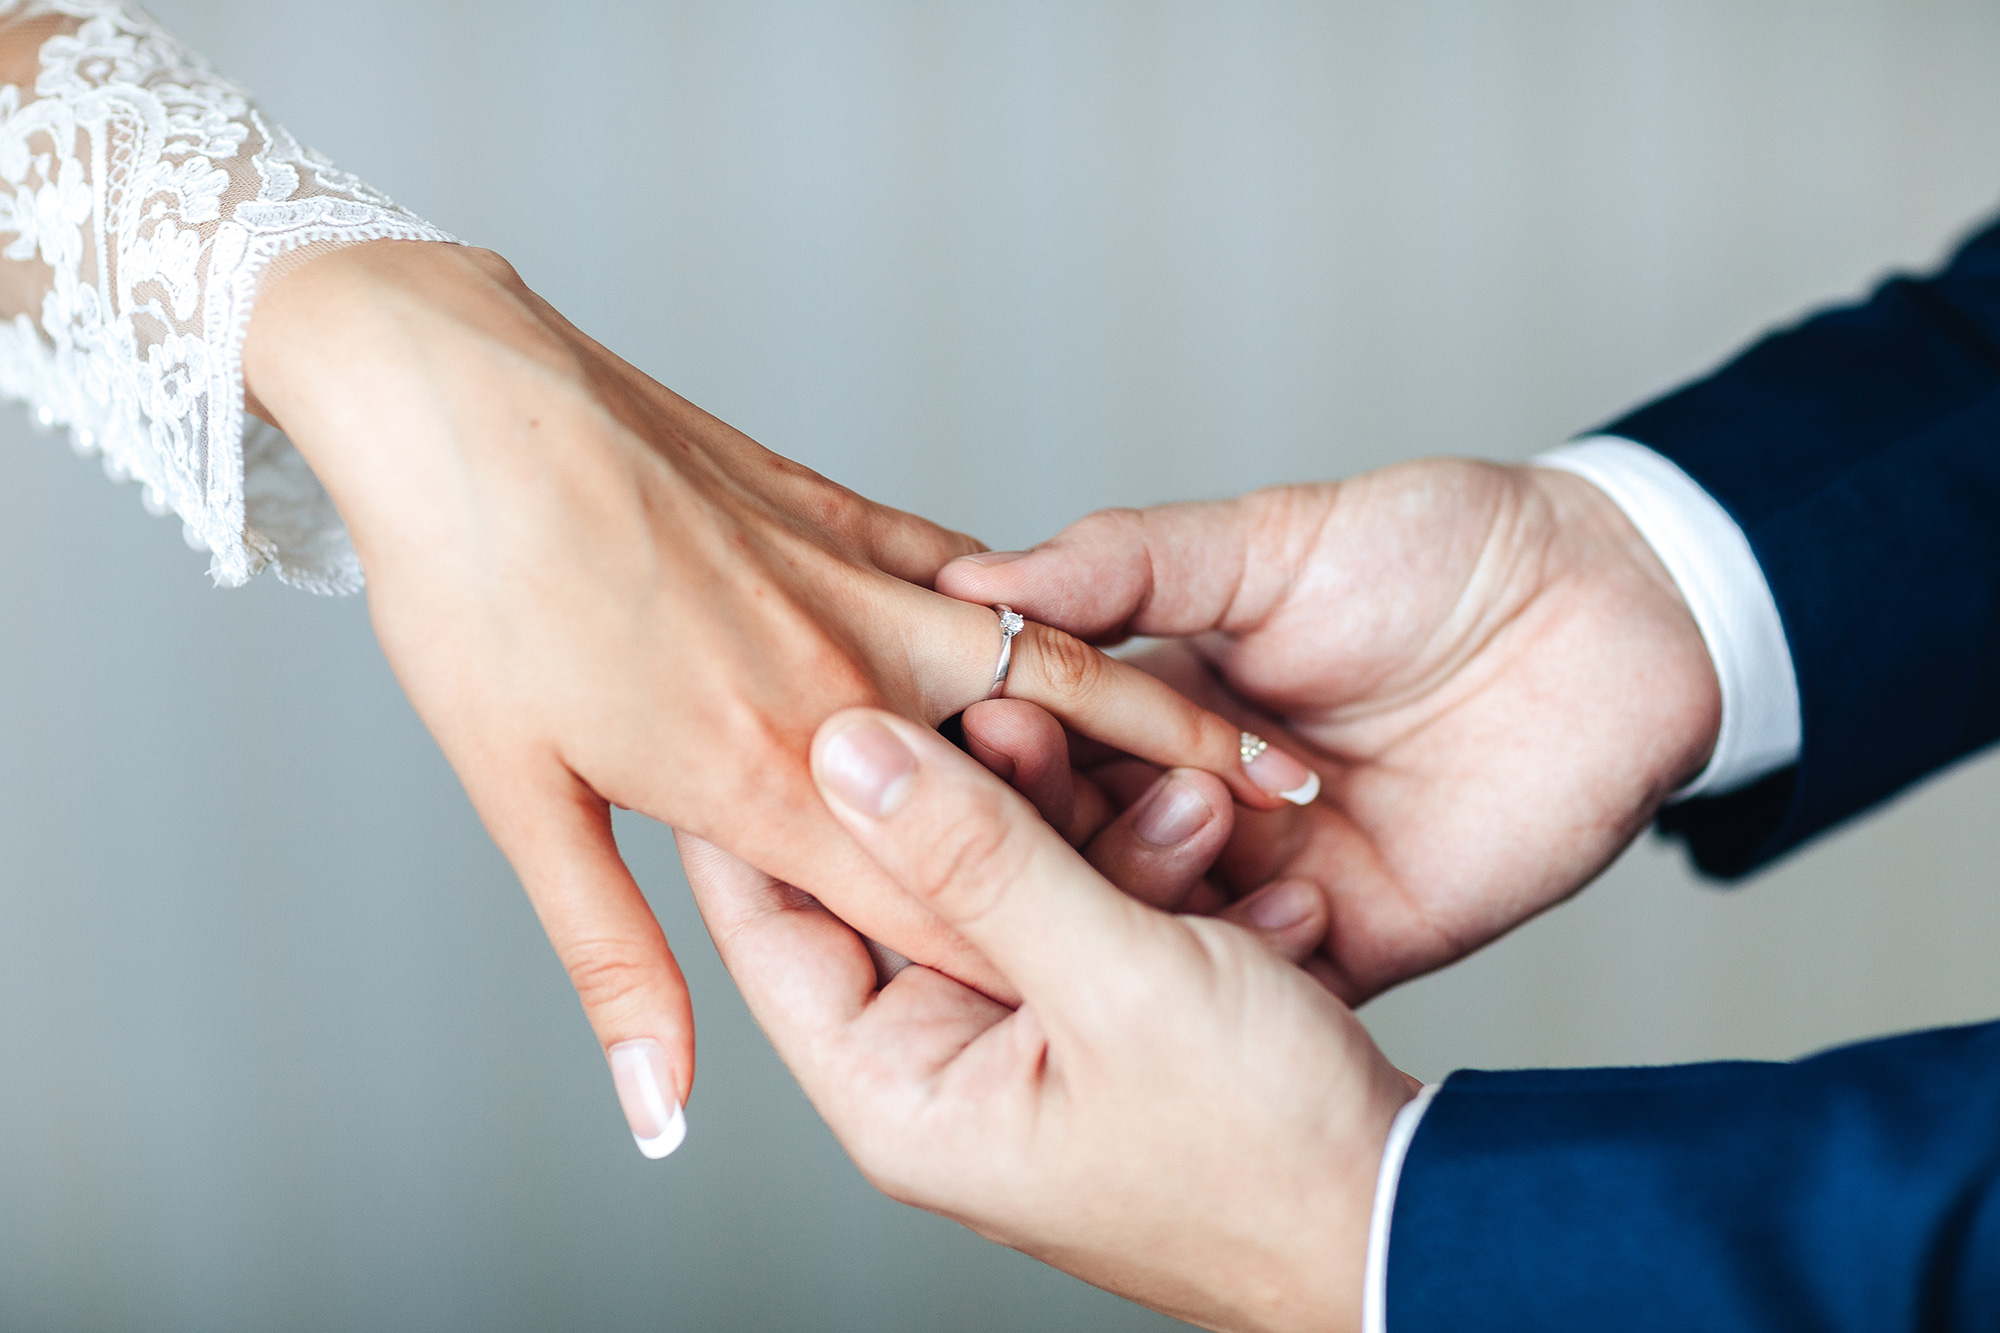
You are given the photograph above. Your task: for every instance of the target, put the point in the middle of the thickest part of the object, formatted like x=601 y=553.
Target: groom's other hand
x=1498 y=681
x=1174 y=1112
x=1153 y=834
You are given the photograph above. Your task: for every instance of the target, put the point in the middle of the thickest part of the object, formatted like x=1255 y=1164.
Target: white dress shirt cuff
x=1712 y=565
x=1375 y=1277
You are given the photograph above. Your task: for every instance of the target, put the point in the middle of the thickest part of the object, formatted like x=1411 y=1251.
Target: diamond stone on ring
x=1011 y=624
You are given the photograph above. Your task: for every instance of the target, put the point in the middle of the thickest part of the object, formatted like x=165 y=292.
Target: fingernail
x=1277 y=772
x=869 y=768
x=1277 y=906
x=639 y=1069
x=1171 y=813
x=992 y=557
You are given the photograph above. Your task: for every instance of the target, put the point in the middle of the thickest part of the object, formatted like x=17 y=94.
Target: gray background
x=280 y=1044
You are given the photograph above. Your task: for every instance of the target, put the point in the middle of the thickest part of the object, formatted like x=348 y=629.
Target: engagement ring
x=1011 y=624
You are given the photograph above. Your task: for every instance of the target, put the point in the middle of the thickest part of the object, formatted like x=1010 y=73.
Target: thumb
x=1169 y=570
x=973 y=851
x=608 y=940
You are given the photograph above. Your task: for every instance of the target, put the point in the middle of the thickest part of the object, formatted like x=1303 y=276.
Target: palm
x=1496 y=682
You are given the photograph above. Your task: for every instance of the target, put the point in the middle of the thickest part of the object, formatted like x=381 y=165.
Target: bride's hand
x=595 y=593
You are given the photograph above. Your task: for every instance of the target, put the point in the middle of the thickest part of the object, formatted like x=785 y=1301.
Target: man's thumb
x=1169 y=570
x=972 y=850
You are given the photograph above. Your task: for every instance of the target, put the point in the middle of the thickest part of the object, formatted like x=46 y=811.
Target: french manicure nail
x=639 y=1070
x=1277 y=906
x=1171 y=813
x=993 y=557
x=869 y=768
x=1276 y=772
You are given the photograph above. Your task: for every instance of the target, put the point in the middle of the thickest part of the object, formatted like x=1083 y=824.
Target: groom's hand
x=1499 y=681
x=1174 y=1112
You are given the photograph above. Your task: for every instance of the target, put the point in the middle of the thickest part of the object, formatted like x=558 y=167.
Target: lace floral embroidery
x=142 y=198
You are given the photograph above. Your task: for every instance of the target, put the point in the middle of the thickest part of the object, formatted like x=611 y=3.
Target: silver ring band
x=1011 y=624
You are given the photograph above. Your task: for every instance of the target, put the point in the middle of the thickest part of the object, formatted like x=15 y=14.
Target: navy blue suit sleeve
x=1860 y=453
x=1854 y=1192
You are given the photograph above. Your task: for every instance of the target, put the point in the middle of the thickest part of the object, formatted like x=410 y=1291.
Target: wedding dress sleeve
x=143 y=202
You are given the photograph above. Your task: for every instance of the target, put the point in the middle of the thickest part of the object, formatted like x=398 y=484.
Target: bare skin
x=1493 y=674
x=1498 y=684
x=597 y=594
x=1174 y=1112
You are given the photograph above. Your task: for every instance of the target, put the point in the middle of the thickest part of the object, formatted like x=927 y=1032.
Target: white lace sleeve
x=142 y=200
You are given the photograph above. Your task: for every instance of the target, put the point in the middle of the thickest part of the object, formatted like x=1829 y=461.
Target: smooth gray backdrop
x=280 y=1044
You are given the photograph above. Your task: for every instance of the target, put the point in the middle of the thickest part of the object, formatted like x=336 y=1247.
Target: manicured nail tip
x=668 y=1139
x=652 y=1112
x=987 y=559
x=1276 y=772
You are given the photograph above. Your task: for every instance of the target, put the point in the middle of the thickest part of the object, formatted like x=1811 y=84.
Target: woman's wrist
x=371 y=356
x=307 y=317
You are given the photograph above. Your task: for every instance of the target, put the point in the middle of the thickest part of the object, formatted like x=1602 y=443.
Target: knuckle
x=1196 y=731
x=1124 y=999
x=967 y=873
x=608 y=974
x=1113 y=523
x=959 y=543
x=827 y=506
x=1069 y=667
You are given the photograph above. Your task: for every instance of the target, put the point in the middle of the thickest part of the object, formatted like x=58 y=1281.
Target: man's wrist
x=1637 y=594
x=1712 y=565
